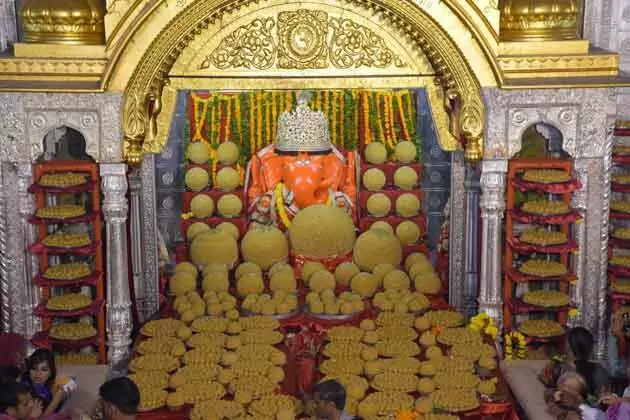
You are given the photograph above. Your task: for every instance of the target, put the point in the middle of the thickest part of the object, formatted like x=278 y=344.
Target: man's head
x=330 y=398
x=16 y=401
x=572 y=389
x=120 y=398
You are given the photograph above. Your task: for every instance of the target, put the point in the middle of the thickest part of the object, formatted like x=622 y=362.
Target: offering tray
x=86 y=186
x=90 y=280
x=547 y=187
x=90 y=249
x=42 y=339
x=519 y=277
x=556 y=219
x=289 y=315
x=91 y=309
x=526 y=247
x=84 y=218
x=518 y=306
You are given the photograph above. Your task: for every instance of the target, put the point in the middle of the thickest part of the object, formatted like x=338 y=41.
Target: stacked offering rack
x=538 y=252
x=70 y=258
x=619 y=241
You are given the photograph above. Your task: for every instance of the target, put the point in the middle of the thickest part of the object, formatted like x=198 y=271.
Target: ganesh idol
x=300 y=169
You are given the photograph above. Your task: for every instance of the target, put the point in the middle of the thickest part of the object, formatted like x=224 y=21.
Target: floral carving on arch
x=564 y=118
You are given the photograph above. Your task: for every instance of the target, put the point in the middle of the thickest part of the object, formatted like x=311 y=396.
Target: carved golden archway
x=459 y=88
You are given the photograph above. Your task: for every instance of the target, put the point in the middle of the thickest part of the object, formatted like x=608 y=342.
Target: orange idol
x=300 y=169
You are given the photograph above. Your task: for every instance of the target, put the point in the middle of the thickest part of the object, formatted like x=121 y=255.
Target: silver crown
x=303 y=130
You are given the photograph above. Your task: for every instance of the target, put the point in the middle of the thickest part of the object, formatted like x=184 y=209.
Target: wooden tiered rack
x=618 y=275
x=91 y=252
x=514 y=248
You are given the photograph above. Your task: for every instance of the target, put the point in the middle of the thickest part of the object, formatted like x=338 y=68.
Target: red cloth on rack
x=13 y=349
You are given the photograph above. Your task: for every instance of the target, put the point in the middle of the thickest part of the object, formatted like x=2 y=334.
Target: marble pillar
x=492 y=206
x=115 y=207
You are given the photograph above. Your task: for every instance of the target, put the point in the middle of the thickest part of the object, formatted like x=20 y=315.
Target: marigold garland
x=401 y=113
x=268 y=136
x=237 y=114
x=365 y=109
x=252 y=124
x=282 y=213
x=228 y=118
x=515 y=345
x=333 y=118
x=259 y=120
x=342 y=134
x=274 y=117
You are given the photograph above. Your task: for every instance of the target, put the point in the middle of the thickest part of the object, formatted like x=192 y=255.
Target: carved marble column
x=29 y=234
x=135 y=188
x=8 y=24
x=579 y=202
x=492 y=205
x=5 y=260
x=119 y=319
x=471 y=281
x=149 y=229
x=457 y=228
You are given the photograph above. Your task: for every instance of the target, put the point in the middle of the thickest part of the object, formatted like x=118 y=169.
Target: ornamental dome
x=77 y=22
x=539 y=20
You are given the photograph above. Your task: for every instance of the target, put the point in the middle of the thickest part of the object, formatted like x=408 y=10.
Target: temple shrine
x=230 y=201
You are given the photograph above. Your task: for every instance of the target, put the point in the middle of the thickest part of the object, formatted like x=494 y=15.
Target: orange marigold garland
x=252 y=126
x=401 y=115
x=365 y=109
x=237 y=114
x=228 y=117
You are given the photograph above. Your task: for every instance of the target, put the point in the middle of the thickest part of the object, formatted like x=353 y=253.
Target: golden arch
x=459 y=87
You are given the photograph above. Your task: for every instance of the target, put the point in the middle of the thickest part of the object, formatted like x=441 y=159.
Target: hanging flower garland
x=483 y=323
x=515 y=345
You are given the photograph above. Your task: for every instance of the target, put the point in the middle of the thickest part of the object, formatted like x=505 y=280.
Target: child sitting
x=41 y=379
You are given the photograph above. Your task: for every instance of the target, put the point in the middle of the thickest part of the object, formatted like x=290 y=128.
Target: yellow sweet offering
x=153 y=379
x=374 y=179
x=405 y=178
x=69 y=271
x=197 y=179
x=72 y=331
x=452 y=336
x=620 y=179
x=202 y=391
x=546 y=298
x=620 y=260
x=450 y=381
x=75 y=358
x=376 y=246
x=198 y=152
x=228 y=153
x=463 y=400
x=543 y=268
x=166 y=327
x=621 y=286
x=407 y=205
x=385 y=404
x=269 y=406
x=209 y=324
x=342 y=366
x=397 y=348
x=396 y=333
x=541 y=328
x=61 y=211
x=394 y=382
x=546 y=176
x=345 y=333
x=261 y=336
x=154 y=362
x=375 y=153
x=230 y=206
x=344 y=349
x=259 y=322
x=546 y=207
x=67 y=240
x=378 y=205
x=487 y=388
x=62 y=179
x=621 y=206
x=228 y=179
x=202 y=206
x=405 y=152
x=68 y=302
x=152 y=398
x=543 y=237
x=443 y=318
x=214 y=247
x=621 y=233
x=389 y=319
x=162 y=345
x=217 y=409
x=322 y=231
x=400 y=301
x=621 y=149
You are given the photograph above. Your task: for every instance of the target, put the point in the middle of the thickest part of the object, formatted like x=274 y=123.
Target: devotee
x=330 y=400
x=577 y=359
x=569 y=400
x=119 y=399
x=41 y=378
x=16 y=402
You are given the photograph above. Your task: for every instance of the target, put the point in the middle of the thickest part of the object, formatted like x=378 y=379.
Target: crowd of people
x=577 y=387
x=581 y=389
x=30 y=389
